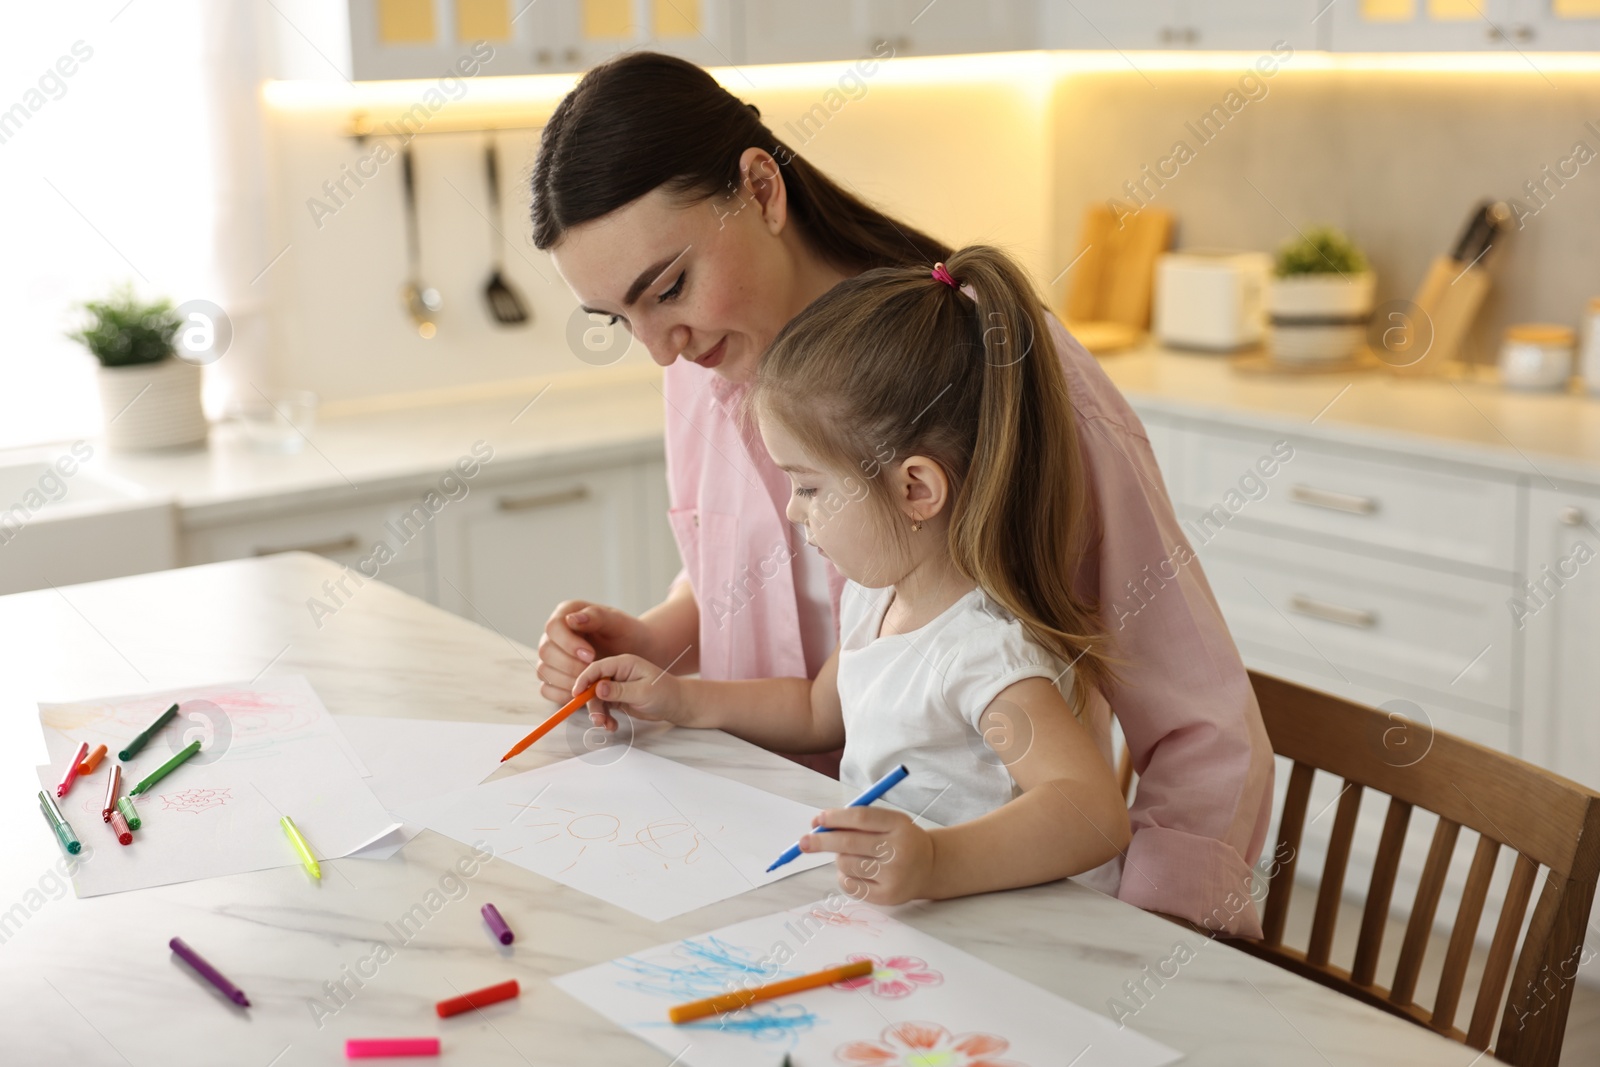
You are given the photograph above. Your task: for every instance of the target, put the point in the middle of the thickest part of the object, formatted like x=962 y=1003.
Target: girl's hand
x=643 y=689
x=884 y=857
x=577 y=633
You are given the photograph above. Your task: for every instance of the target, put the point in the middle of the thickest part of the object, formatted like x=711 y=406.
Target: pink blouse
x=1204 y=795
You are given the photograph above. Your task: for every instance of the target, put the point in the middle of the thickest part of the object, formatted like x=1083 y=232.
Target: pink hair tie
x=942 y=275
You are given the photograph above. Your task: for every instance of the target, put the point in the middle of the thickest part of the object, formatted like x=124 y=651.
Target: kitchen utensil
x=1443 y=308
x=505 y=304
x=1211 y=299
x=1108 y=290
x=1536 y=356
x=422 y=303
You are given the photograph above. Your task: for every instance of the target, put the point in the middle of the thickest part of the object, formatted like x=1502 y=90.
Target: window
x=106 y=177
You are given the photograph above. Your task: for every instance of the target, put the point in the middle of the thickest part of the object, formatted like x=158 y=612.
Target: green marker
x=125 y=806
x=144 y=736
x=58 y=823
x=166 y=768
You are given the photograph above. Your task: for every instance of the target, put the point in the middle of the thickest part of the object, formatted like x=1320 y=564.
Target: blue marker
x=882 y=786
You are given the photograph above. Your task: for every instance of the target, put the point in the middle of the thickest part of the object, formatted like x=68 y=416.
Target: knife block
x=1450 y=298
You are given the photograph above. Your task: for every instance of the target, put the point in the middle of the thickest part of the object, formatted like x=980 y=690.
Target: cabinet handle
x=1327 y=498
x=347 y=543
x=544 y=500
x=1321 y=609
x=1571 y=516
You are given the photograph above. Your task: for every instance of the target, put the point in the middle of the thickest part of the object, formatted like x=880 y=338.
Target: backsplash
x=1008 y=150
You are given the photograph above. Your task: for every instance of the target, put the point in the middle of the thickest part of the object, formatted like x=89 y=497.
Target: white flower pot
x=152 y=405
x=1318 y=318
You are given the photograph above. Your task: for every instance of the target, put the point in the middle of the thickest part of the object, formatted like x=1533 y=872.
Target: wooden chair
x=1545 y=820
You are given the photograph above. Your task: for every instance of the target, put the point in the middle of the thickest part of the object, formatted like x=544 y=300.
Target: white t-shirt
x=917 y=698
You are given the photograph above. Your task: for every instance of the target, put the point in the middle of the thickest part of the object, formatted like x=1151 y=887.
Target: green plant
x=124 y=331
x=1320 y=250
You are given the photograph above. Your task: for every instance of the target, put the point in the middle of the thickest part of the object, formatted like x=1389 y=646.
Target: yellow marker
x=300 y=846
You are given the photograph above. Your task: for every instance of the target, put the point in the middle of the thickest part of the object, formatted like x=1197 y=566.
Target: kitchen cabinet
x=510 y=552
x=424 y=38
x=1400 y=581
x=503 y=554
x=350 y=536
x=1464 y=25
x=1559 y=610
x=1232 y=25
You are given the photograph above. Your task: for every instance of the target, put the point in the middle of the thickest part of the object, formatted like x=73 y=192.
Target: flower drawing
x=926 y=1045
x=892 y=978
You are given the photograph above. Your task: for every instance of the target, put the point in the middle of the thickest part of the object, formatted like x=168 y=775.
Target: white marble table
x=92 y=981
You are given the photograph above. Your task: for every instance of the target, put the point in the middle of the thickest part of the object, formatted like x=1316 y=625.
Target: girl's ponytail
x=956 y=365
x=1020 y=523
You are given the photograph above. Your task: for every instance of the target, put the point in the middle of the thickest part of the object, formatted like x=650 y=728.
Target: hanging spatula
x=505 y=303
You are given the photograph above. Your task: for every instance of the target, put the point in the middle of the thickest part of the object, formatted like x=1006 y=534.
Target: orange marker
x=553 y=721
x=699 y=1009
x=88 y=765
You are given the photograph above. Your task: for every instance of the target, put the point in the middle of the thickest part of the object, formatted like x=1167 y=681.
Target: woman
x=667 y=205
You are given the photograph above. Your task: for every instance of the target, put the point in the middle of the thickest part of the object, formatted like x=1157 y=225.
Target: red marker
x=72 y=770
x=478 y=998
x=119 y=826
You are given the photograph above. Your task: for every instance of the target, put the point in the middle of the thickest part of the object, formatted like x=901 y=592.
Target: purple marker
x=497 y=925
x=208 y=972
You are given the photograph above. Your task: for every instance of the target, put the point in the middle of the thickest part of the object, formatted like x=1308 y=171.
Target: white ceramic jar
x=1536 y=356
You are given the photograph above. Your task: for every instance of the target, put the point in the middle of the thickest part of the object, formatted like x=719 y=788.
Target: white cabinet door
x=942 y=28
x=510 y=553
x=427 y=39
x=586 y=32
x=392 y=542
x=1125 y=25
x=1554 y=25
x=1419 y=25
x=780 y=32
x=1254 y=25
x=1559 y=612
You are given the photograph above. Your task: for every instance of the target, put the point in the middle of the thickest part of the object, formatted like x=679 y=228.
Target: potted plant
x=1320 y=299
x=150 y=398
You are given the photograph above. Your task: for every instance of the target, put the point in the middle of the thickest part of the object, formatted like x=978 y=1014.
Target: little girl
x=924 y=422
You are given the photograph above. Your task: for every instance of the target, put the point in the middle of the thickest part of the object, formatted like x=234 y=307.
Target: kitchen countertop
x=1466 y=419
x=92 y=981
x=610 y=416
x=382 y=451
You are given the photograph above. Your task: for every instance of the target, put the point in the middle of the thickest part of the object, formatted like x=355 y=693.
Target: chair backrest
x=1545 y=820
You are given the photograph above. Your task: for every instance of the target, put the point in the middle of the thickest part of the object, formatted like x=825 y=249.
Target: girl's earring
x=916 y=526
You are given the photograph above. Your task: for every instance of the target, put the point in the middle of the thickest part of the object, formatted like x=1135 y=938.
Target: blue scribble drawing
x=765 y=1021
x=710 y=967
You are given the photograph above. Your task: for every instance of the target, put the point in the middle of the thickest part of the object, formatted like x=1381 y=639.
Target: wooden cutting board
x=1108 y=296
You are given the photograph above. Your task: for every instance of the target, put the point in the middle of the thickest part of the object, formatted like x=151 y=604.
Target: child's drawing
x=768 y=1021
x=926 y=1045
x=195 y=800
x=892 y=978
x=669 y=840
x=696 y=969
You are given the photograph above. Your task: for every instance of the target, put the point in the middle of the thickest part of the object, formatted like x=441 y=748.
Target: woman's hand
x=644 y=690
x=578 y=633
x=884 y=857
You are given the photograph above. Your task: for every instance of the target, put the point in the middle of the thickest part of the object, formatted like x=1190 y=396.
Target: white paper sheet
x=641 y=832
x=272 y=749
x=925 y=1002
x=418 y=759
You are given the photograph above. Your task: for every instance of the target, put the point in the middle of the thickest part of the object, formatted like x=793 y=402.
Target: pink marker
x=361 y=1048
x=72 y=769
